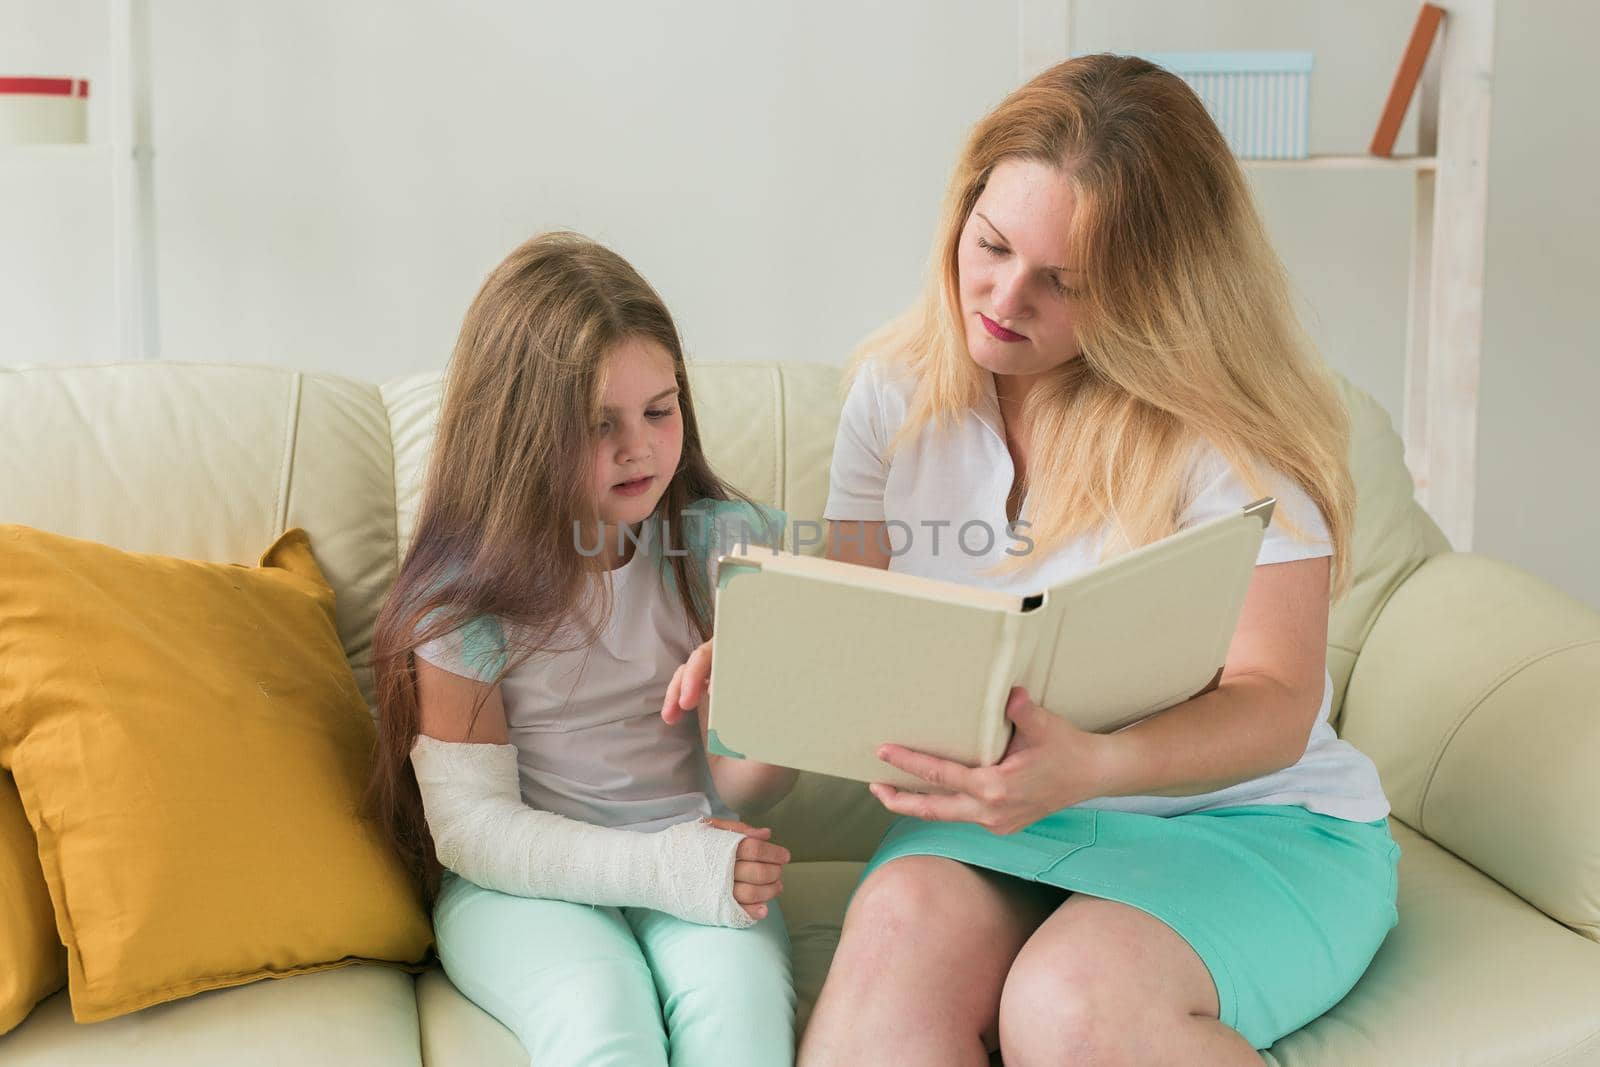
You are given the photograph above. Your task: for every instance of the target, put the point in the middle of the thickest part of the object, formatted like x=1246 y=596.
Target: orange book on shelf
x=1405 y=79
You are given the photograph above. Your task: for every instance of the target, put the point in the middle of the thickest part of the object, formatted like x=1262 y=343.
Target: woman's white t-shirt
x=587 y=726
x=943 y=495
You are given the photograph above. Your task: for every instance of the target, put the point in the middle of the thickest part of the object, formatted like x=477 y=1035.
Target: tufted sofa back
x=213 y=461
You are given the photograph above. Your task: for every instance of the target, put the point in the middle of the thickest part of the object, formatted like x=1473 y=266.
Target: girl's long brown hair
x=1186 y=327
x=507 y=479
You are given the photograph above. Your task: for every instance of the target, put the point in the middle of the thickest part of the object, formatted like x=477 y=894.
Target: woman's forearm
x=1248 y=726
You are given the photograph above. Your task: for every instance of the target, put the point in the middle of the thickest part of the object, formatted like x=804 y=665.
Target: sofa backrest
x=214 y=461
x=208 y=462
x=1392 y=539
x=769 y=430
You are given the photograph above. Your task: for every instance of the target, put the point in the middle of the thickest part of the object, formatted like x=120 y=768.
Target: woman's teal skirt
x=1285 y=907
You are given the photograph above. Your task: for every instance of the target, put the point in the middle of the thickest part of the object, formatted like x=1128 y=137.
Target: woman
x=1106 y=352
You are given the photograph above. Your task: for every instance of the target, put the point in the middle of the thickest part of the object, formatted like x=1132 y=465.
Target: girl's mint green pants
x=632 y=987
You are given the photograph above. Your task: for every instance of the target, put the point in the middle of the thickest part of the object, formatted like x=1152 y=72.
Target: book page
x=913 y=585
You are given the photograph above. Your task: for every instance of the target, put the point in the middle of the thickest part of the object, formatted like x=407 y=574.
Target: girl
x=1106 y=350
x=591 y=887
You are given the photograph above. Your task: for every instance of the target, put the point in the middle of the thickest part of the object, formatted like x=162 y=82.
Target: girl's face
x=1017 y=286
x=640 y=436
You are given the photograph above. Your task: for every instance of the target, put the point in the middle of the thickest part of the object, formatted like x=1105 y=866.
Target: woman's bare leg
x=922 y=960
x=1103 y=983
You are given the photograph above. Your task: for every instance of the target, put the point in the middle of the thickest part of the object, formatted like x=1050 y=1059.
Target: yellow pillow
x=190 y=746
x=32 y=962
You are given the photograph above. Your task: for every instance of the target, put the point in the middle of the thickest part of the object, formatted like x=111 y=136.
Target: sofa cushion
x=457 y=1033
x=208 y=462
x=190 y=747
x=33 y=962
x=362 y=1016
x=1472 y=975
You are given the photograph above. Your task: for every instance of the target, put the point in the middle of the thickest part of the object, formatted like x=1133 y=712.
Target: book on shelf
x=1404 y=88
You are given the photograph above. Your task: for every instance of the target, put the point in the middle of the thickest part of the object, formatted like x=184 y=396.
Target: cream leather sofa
x=1475 y=688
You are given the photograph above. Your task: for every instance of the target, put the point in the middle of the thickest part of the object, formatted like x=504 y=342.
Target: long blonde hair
x=1185 y=324
x=507 y=478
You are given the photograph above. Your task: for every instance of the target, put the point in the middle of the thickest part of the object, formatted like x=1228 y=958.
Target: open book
x=816 y=663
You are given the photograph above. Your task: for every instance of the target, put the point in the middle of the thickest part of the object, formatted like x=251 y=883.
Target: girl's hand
x=757 y=867
x=690 y=683
x=1050 y=764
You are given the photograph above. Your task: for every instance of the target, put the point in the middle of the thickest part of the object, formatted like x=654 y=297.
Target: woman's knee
x=1049 y=1008
x=939 y=931
x=921 y=894
x=1102 y=981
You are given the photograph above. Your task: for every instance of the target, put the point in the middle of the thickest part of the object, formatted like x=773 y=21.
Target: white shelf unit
x=1444 y=334
x=132 y=183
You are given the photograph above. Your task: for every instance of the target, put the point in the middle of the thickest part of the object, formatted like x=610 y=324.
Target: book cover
x=815 y=662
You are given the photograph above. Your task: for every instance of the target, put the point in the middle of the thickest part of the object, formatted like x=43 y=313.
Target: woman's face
x=1017 y=287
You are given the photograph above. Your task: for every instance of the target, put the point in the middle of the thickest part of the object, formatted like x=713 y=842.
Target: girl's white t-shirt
x=943 y=495
x=591 y=743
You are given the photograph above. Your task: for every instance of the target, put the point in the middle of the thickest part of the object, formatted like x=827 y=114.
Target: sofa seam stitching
x=291 y=428
x=1576 y=1046
x=416 y=1009
x=781 y=459
x=1492 y=688
x=394 y=482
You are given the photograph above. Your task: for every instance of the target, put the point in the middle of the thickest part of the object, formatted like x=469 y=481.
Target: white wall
x=334 y=180
x=1539 y=432
x=56 y=269
x=773 y=168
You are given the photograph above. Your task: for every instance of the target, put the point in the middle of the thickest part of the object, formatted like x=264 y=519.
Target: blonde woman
x=1105 y=353
x=592 y=887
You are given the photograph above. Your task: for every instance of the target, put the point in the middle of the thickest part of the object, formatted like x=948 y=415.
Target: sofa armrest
x=1477 y=694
